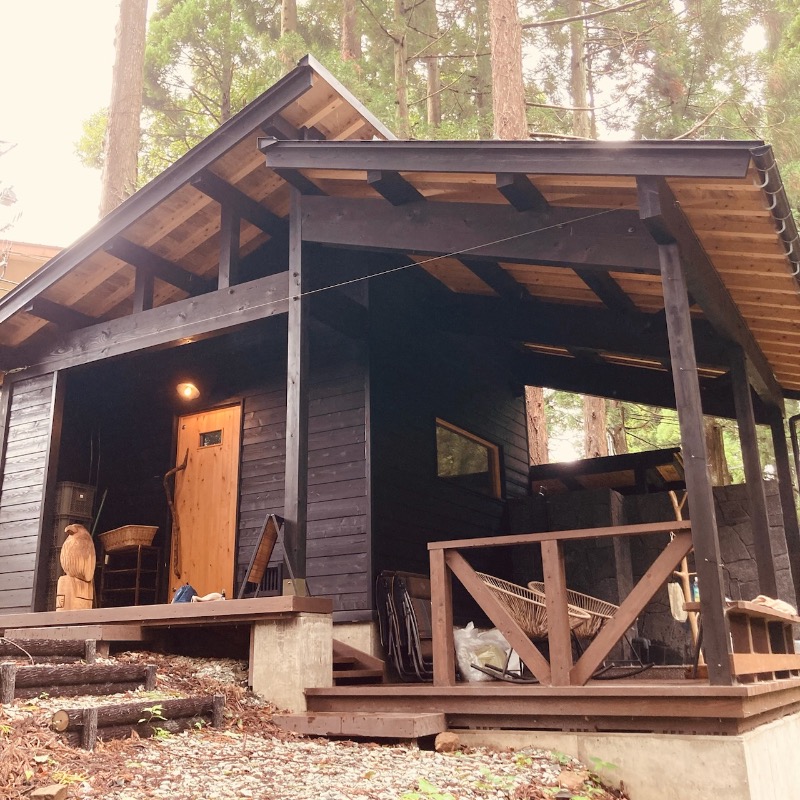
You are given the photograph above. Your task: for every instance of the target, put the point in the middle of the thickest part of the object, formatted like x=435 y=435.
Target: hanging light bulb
x=188 y=391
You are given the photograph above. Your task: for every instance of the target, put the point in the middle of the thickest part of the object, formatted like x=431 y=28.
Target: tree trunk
x=579 y=84
x=351 y=38
x=434 y=83
x=508 y=88
x=619 y=438
x=537 y=425
x=483 y=72
x=717 y=460
x=288 y=16
x=226 y=79
x=400 y=74
x=121 y=144
x=594 y=427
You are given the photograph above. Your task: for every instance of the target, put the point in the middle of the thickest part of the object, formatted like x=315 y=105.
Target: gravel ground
x=251 y=758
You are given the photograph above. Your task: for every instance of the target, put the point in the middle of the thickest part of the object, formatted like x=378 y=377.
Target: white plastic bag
x=474 y=646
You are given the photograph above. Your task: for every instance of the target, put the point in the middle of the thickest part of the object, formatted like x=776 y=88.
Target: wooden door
x=205 y=500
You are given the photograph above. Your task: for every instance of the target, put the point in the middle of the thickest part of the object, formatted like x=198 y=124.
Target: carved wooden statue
x=78 y=558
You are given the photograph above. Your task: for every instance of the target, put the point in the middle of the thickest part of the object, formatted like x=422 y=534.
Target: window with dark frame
x=467 y=460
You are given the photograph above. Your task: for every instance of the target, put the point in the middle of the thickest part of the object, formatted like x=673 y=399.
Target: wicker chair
x=599 y=611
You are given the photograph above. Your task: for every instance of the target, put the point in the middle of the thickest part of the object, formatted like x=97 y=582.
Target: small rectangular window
x=210 y=438
x=467 y=460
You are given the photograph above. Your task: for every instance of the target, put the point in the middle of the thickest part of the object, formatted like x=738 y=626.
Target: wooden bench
x=762 y=639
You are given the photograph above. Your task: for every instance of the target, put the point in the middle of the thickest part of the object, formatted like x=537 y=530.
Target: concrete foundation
x=758 y=765
x=289 y=654
x=363 y=636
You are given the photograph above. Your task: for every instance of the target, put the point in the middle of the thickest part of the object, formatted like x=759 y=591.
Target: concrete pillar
x=290 y=655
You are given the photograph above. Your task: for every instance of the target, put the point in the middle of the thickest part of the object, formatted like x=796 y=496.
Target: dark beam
x=610 y=239
x=661 y=211
x=225 y=194
x=278 y=128
x=705 y=536
x=395 y=188
x=229 y=236
x=493 y=275
x=609 y=292
x=753 y=474
x=786 y=490
x=573 y=327
x=143 y=290
x=66 y=318
x=299 y=181
x=520 y=192
x=142 y=258
x=195 y=317
x=295 y=507
x=676 y=159
x=630 y=384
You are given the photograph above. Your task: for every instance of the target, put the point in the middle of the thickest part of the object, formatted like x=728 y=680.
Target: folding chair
x=262 y=554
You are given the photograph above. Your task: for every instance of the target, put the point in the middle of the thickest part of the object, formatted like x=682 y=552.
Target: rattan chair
x=529 y=610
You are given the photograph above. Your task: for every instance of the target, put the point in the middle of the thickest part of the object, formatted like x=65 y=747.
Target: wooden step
x=344 y=676
x=370 y=725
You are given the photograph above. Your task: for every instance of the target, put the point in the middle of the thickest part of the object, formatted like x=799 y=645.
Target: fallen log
x=43 y=647
x=70 y=674
x=78 y=690
x=83 y=726
x=68 y=719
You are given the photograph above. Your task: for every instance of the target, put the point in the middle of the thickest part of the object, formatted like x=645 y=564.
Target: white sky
x=57 y=58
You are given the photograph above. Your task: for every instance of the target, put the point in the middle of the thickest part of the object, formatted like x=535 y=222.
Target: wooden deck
x=629 y=705
x=118 y=623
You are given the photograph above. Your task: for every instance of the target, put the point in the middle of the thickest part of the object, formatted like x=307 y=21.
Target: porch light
x=188 y=391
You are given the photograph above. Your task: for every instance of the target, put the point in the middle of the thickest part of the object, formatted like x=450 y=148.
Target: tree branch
x=549 y=23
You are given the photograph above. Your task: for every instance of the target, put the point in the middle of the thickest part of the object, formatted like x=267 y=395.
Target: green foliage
x=426 y=791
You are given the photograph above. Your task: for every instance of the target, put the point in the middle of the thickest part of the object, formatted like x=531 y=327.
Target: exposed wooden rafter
x=493 y=275
x=608 y=291
x=520 y=192
x=303 y=185
x=393 y=186
x=161 y=268
x=225 y=194
x=66 y=318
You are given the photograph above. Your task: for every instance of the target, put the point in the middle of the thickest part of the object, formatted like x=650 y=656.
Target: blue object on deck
x=184 y=594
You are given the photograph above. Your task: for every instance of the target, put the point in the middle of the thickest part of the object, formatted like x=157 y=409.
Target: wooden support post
x=89 y=729
x=230 y=226
x=143 y=290
x=90 y=651
x=217 y=711
x=444 y=664
x=698 y=483
x=296 y=482
x=558 y=630
x=786 y=489
x=8 y=680
x=759 y=521
x=150 y=677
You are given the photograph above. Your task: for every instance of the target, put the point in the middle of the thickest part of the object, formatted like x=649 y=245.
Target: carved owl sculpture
x=78 y=556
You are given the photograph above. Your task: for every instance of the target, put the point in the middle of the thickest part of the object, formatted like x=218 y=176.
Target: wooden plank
x=210 y=314
x=752 y=663
x=515 y=636
x=391 y=725
x=100 y=633
x=64 y=317
x=229 y=245
x=558 y=628
x=631 y=607
x=748 y=439
x=295 y=507
x=579 y=533
x=444 y=663
x=143 y=290
x=695 y=458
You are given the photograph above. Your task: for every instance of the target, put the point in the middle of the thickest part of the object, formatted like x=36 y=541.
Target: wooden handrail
x=555 y=536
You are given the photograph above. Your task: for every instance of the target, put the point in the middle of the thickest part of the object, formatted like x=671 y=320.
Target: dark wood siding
x=337 y=513
x=21 y=497
x=416 y=375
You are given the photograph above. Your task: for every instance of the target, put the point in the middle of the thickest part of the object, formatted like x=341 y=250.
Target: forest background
x=622 y=69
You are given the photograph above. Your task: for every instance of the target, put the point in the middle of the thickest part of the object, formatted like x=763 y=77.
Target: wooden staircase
x=353 y=666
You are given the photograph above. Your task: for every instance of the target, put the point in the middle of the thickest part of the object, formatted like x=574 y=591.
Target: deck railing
x=447 y=560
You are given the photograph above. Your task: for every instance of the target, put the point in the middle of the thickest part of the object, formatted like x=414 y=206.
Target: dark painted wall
x=23 y=490
x=419 y=374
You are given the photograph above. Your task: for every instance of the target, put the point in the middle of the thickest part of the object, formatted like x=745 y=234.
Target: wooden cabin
x=357 y=313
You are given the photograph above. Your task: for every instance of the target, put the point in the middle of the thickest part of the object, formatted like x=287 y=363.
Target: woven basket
x=527 y=608
x=599 y=611
x=128 y=536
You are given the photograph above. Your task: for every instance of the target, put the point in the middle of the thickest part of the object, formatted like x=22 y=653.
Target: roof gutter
x=772 y=185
